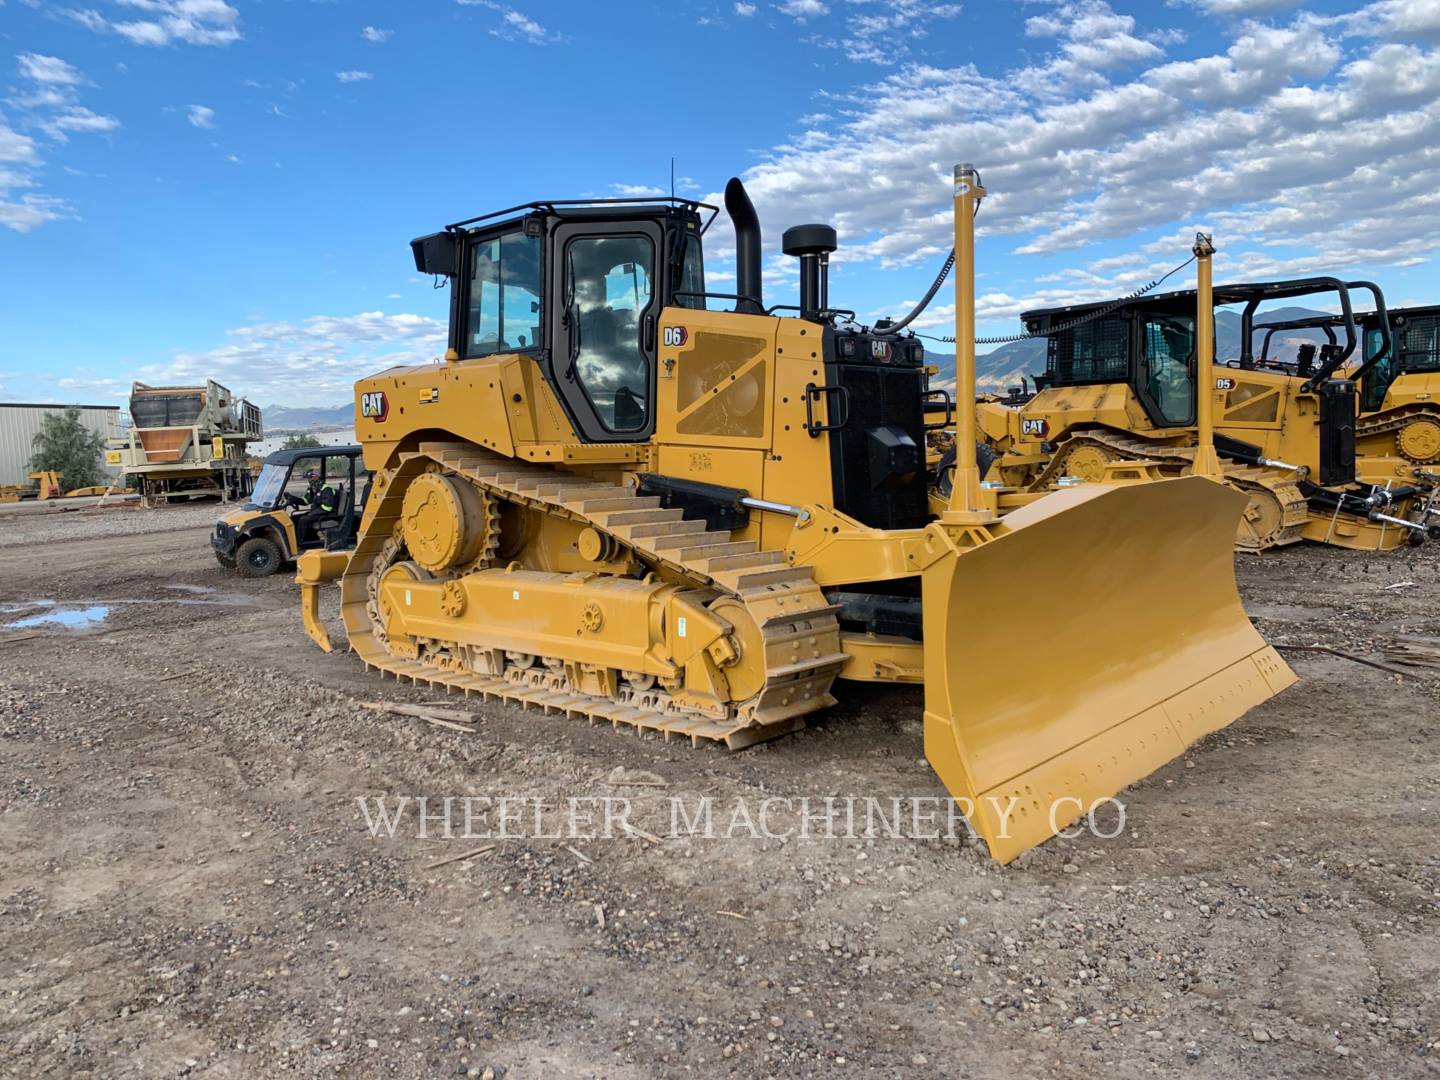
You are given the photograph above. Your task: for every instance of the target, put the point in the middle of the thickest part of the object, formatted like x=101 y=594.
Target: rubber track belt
x=799 y=627
x=1275 y=483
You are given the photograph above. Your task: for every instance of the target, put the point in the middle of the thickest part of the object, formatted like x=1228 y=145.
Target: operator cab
x=1149 y=342
x=1413 y=348
x=579 y=287
x=1149 y=345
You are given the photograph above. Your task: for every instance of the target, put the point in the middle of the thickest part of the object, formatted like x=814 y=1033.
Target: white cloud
x=1094 y=39
x=202 y=116
x=16 y=148
x=48 y=69
x=1410 y=20
x=1262 y=60
x=77 y=119
x=523 y=26
x=353 y=76
x=637 y=191
x=514 y=25
x=803 y=9
x=376 y=36
x=43 y=97
x=311 y=362
x=884 y=35
x=1242 y=7
x=1311 y=144
x=49 y=104
x=30 y=211
x=744 y=10
x=165 y=22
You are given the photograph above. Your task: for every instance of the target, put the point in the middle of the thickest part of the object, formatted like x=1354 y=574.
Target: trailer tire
x=258 y=557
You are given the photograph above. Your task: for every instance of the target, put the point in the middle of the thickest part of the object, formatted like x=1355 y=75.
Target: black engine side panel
x=1337 y=432
x=877 y=455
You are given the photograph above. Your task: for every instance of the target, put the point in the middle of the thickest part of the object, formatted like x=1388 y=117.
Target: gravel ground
x=98 y=522
x=187 y=885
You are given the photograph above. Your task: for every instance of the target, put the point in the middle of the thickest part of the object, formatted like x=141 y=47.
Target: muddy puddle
x=66 y=618
x=84 y=615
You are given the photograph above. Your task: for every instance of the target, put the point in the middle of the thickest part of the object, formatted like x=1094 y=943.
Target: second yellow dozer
x=1397 y=429
x=611 y=503
x=1120 y=385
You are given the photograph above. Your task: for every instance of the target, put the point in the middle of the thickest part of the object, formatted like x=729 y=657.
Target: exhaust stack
x=747 y=248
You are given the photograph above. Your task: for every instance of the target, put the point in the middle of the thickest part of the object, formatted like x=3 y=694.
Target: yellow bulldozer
x=1397 y=431
x=1120 y=384
x=610 y=502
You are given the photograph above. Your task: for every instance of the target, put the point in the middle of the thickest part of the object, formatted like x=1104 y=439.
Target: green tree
x=300 y=442
x=66 y=445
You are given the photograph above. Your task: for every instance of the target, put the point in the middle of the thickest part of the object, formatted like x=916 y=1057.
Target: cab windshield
x=268 y=486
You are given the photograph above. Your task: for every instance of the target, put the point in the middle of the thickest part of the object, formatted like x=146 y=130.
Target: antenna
x=672 y=176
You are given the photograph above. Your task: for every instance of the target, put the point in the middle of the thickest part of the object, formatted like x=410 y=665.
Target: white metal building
x=271 y=443
x=19 y=424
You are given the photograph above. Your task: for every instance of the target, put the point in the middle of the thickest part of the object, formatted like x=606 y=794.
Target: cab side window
x=503 y=305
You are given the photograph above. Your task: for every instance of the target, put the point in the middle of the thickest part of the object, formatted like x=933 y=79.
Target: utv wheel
x=258 y=557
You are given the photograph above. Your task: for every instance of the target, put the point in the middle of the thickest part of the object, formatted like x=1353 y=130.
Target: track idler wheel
x=1261 y=522
x=444 y=521
x=1419 y=441
x=1088 y=463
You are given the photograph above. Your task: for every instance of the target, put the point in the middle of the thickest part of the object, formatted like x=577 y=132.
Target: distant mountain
x=279 y=418
x=998 y=370
x=1282 y=345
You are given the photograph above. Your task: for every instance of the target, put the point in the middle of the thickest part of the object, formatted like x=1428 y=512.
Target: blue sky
x=202 y=187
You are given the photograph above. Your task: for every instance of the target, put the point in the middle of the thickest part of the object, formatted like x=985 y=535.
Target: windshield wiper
x=570 y=322
x=574 y=324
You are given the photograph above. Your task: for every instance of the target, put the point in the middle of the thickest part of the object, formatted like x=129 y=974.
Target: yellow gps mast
x=1207 y=462
x=970 y=503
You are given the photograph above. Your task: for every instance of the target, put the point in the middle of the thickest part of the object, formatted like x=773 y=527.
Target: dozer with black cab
x=1120 y=385
x=304 y=500
x=610 y=502
x=1397 y=430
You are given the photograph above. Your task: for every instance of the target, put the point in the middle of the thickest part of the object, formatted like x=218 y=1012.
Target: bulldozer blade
x=1095 y=637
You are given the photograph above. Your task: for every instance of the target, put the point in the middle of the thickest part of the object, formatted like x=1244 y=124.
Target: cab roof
x=1237 y=293
x=289 y=457
x=603 y=209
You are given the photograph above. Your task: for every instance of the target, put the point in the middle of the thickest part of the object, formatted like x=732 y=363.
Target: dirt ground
x=188 y=885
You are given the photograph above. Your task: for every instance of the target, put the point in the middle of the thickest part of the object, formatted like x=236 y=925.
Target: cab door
x=1166 y=384
x=606 y=305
